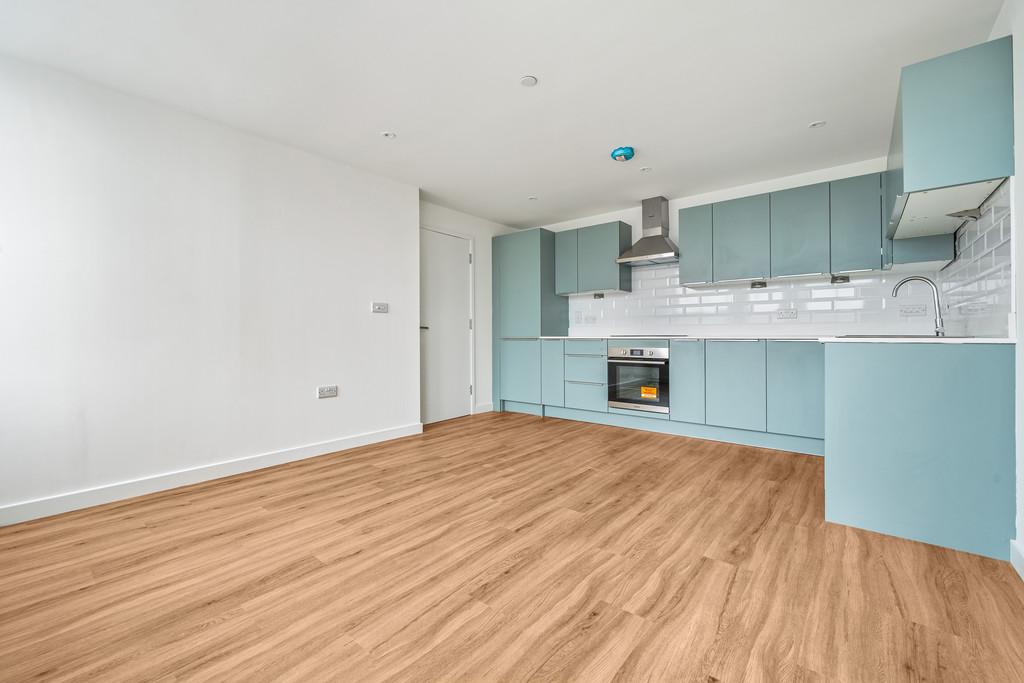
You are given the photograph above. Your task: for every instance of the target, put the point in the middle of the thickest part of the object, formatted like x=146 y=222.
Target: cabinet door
x=552 y=366
x=796 y=388
x=566 y=267
x=521 y=370
x=924 y=249
x=598 y=247
x=736 y=391
x=686 y=380
x=742 y=239
x=518 y=279
x=695 y=245
x=799 y=231
x=856 y=219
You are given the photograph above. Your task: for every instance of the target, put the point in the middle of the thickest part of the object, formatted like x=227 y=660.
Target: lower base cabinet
x=521 y=370
x=552 y=365
x=586 y=396
x=919 y=442
x=686 y=380
x=796 y=388
x=736 y=394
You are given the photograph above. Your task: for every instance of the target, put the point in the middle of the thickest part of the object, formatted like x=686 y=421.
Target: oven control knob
x=650 y=353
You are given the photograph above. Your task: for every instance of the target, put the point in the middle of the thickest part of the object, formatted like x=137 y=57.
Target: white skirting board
x=108 y=493
x=483 y=408
x=1017 y=556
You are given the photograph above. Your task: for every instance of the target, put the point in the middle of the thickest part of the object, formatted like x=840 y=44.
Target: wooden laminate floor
x=500 y=547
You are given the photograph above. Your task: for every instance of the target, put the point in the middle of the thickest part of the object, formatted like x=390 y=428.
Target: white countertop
x=825 y=340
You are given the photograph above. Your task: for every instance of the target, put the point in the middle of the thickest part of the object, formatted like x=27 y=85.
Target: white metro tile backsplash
x=975 y=287
x=658 y=304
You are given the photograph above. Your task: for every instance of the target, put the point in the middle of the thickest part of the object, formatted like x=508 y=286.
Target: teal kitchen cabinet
x=933 y=248
x=599 y=246
x=585 y=259
x=686 y=380
x=919 y=442
x=800 y=231
x=695 y=254
x=796 y=388
x=524 y=284
x=741 y=230
x=591 y=396
x=855 y=217
x=586 y=347
x=735 y=390
x=521 y=370
x=567 y=262
x=948 y=153
x=586 y=374
x=552 y=364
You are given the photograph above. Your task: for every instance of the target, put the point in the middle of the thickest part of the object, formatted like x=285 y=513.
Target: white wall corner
x=108 y=493
x=1017 y=556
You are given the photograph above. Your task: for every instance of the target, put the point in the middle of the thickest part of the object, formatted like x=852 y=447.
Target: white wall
x=632 y=215
x=1011 y=21
x=480 y=231
x=172 y=291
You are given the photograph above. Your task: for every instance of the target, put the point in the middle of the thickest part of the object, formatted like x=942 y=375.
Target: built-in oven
x=638 y=379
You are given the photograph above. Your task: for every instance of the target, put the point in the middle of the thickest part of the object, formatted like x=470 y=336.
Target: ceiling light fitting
x=388 y=135
x=645 y=169
x=532 y=198
x=528 y=81
x=816 y=124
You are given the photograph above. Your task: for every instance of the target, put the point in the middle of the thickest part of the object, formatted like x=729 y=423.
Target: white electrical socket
x=378 y=307
x=327 y=391
x=579 y=316
x=913 y=310
x=786 y=314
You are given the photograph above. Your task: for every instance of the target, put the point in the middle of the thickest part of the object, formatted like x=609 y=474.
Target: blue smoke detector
x=623 y=153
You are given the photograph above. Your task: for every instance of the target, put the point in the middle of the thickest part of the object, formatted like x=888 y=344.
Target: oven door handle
x=637 y=362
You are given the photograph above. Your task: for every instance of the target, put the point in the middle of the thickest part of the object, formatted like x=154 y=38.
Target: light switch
x=379 y=307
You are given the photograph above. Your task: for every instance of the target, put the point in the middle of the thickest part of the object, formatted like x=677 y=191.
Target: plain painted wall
x=172 y=291
x=633 y=215
x=480 y=231
x=1011 y=21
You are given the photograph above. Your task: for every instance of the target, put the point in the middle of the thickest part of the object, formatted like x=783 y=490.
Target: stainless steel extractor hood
x=654 y=246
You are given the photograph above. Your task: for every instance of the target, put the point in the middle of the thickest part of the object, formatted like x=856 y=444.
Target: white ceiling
x=711 y=94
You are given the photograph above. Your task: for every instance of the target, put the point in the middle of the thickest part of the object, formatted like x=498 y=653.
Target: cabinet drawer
x=586 y=396
x=597 y=347
x=586 y=369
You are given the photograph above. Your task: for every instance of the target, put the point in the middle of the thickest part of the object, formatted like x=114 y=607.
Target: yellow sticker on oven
x=649 y=392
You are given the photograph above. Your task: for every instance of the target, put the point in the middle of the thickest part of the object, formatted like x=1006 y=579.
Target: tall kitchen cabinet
x=525 y=308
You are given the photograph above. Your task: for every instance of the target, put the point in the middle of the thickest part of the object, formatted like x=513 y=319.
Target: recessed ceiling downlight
x=532 y=198
x=528 y=81
x=817 y=124
x=388 y=135
x=645 y=169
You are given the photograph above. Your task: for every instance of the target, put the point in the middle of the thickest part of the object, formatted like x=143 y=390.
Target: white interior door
x=446 y=349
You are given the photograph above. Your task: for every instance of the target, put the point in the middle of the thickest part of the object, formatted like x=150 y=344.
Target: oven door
x=638 y=384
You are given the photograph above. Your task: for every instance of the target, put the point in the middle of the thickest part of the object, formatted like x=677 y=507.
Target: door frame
x=471 y=313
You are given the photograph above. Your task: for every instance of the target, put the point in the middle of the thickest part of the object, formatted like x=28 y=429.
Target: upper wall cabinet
x=741 y=230
x=952 y=139
x=567 y=273
x=800 y=231
x=585 y=259
x=524 y=286
x=695 y=252
x=855 y=215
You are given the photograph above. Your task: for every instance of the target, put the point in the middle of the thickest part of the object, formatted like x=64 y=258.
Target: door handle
x=424 y=327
